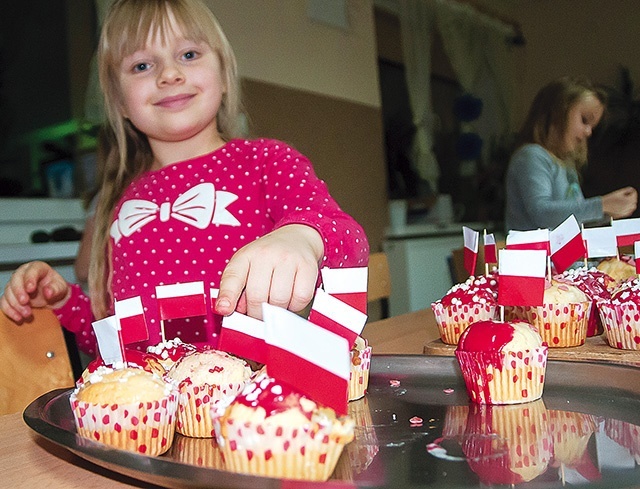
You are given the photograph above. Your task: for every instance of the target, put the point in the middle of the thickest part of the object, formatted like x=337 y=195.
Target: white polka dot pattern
x=275 y=185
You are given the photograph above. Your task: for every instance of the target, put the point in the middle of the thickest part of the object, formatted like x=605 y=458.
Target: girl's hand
x=34 y=284
x=620 y=203
x=280 y=268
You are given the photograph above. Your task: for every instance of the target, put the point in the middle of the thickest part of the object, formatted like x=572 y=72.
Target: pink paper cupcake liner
x=508 y=444
x=203 y=452
x=571 y=432
x=624 y=434
x=621 y=325
x=146 y=427
x=504 y=377
x=272 y=450
x=560 y=325
x=453 y=320
x=195 y=403
x=359 y=375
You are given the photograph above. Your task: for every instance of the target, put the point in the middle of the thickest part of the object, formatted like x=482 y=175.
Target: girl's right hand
x=620 y=203
x=34 y=284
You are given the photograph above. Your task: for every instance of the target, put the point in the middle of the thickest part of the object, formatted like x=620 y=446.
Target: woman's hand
x=620 y=203
x=34 y=284
x=280 y=268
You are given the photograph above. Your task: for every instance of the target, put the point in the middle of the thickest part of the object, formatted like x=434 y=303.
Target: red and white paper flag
x=600 y=242
x=627 y=231
x=347 y=284
x=490 y=249
x=522 y=277
x=181 y=300
x=636 y=253
x=213 y=296
x=337 y=316
x=133 y=324
x=307 y=357
x=109 y=340
x=537 y=239
x=567 y=244
x=470 y=252
x=243 y=336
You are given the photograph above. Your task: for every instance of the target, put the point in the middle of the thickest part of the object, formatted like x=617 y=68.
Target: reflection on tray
x=514 y=444
x=203 y=452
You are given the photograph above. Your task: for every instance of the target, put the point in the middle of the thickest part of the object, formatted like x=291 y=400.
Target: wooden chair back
x=33 y=360
x=379 y=282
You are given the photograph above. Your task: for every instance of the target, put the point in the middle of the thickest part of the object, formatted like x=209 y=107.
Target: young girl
x=183 y=199
x=542 y=181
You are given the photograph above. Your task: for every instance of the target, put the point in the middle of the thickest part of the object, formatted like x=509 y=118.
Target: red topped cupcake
x=273 y=430
x=134 y=359
x=596 y=285
x=170 y=351
x=465 y=303
x=621 y=316
x=502 y=363
x=508 y=444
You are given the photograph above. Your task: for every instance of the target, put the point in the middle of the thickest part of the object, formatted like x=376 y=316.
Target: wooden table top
x=30 y=461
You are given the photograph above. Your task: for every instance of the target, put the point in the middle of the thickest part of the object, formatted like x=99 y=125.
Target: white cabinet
x=419 y=263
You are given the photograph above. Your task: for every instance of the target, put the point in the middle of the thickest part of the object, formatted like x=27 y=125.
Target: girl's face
x=172 y=91
x=583 y=117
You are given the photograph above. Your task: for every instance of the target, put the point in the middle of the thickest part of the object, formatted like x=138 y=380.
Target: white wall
x=276 y=42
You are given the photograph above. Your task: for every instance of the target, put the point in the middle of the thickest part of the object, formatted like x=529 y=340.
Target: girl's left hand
x=280 y=268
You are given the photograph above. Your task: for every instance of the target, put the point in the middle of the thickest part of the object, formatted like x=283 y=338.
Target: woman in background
x=543 y=183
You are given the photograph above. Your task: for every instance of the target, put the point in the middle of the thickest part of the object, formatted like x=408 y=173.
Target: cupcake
x=360 y=453
x=562 y=319
x=625 y=434
x=130 y=409
x=204 y=379
x=360 y=366
x=571 y=433
x=271 y=430
x=621 y=316
x=619 y=269
x=169 y=352
x=596 y=286
x=508 y=444
x=502 y=363
x=202 y=452
x=134 y=359
x=465 y=303
x=455 y=421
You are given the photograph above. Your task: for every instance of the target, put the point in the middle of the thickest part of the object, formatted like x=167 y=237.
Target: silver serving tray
x=392 y=451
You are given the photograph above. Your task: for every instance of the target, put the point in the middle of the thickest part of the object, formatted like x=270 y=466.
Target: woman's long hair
x=126 y=29
x=547 y=121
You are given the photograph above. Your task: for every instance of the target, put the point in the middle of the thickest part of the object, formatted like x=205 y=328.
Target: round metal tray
x=416 y=428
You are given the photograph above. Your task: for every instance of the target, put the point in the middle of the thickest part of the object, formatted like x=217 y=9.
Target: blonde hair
x=547 y=120
x=126 y=29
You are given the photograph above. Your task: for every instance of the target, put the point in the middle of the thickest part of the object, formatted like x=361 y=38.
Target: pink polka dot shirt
x=184 y=222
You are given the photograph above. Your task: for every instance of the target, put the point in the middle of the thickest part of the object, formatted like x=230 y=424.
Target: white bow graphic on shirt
x=199 y=206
